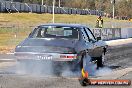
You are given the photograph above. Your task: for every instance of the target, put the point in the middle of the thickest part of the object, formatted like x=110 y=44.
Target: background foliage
x=123 y=7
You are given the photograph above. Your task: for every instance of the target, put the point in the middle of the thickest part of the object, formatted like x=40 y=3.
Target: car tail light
x=68 y=56
x=71 y=57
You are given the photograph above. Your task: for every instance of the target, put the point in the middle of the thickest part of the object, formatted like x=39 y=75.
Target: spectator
x=99 y=22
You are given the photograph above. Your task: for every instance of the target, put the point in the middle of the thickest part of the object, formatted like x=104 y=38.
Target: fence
x=121 y=24
x=7 y=6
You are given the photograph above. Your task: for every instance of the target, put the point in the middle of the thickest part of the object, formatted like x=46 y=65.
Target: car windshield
x=55 y=32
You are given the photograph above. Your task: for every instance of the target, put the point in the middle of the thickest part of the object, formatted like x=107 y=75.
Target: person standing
x=99 y=22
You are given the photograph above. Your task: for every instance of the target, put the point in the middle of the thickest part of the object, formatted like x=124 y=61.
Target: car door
x=97 y=48
x=87 y=45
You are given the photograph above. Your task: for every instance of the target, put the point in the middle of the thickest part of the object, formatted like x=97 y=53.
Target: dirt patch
x=6 y=49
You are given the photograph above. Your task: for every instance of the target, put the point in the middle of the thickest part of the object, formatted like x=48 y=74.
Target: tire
x=100 y=62
x=81 y=62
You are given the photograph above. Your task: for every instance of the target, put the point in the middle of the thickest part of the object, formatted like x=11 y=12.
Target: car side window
x=84 y=35
x=90 y=35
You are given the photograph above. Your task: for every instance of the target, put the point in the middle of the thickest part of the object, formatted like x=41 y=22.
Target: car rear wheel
x=100 y=62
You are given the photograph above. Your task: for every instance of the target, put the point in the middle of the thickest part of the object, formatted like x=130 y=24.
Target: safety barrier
x=126 y=32
x=7 y=6
x=107 y=33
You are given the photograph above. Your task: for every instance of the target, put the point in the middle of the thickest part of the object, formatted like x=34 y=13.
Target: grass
x=33 y=18
x=21 y=24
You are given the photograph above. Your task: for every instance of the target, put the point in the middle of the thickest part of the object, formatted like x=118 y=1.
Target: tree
x=91 y=4
x=124 y=8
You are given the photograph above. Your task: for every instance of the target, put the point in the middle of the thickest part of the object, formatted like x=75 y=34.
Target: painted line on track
x=6 y=64
x=7 y=60
x=10 y=53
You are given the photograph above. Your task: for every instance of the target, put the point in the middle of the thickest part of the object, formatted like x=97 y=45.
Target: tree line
x=122 y=7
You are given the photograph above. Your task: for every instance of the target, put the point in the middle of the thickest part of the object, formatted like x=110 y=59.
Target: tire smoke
x=34 y=67
x=103 y=71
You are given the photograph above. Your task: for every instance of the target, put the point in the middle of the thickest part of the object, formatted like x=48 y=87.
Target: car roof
x=63 y=24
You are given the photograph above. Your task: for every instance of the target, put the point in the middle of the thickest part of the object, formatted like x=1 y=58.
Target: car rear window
x=55 y=32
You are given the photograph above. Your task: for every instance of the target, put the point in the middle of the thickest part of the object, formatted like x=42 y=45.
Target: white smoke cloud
x=39 y=67
x=46 y=68
x=103 y=71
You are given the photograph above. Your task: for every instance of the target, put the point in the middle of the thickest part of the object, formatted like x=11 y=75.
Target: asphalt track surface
x=118 y=59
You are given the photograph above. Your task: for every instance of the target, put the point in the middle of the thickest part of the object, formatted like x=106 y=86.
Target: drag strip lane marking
x=7 y=60
x=10 y=53
x=7 y=64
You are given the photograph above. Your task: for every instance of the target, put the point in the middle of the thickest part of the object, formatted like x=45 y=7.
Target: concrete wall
x=107 y=33
x=126 y=32
x=112 y=33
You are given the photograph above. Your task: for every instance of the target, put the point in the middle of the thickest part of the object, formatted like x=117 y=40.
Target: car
x=61 y=44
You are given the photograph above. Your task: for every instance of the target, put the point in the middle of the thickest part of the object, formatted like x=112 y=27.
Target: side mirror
x=98 y=38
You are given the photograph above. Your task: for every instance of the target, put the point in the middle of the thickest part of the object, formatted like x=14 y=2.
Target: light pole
x=113 y=3
x=42 y=2
x=59 y=3
x=53 y=11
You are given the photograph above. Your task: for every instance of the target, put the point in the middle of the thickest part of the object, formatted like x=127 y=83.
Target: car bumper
x=45 y=56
